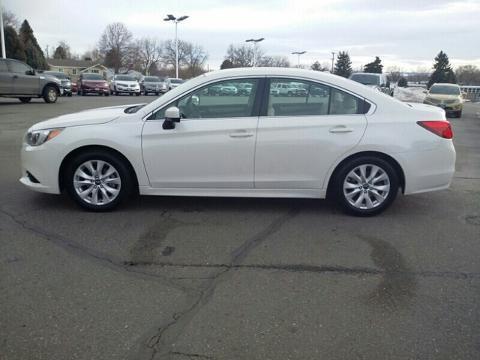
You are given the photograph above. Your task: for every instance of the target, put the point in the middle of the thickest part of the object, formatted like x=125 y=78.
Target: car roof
x=446 y=84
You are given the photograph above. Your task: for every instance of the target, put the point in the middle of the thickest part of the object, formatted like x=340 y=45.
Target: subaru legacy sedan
x=338 y=139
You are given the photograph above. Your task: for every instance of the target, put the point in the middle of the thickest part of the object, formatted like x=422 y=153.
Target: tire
x=50 y=94
x=138 y=94
x=25 y=99
x=347 y=194
x=118 y=186
x=131 y=94
x=82 y=93
x=106 y=94
x=116 y=93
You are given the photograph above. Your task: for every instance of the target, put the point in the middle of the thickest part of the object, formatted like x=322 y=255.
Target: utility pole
x=255 y=41
x=333 y=59
x=298 y=53
x=2 y=35
x=176 y=21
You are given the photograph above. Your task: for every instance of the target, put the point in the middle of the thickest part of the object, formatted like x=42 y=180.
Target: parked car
x=154 y=84
x=174 y=82
x=228 y=89
x=74 y=87
x=379 y=82
x=19 y=80
x=244 y=89
x=64 y=79
x=124 y=84
x=345 y=146
x=447 y=96
x=89 y=83
x=289 y=89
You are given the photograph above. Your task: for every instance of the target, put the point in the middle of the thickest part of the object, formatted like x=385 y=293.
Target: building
x=73 y=68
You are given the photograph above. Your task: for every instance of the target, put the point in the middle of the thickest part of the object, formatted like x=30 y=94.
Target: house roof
x=71 y=63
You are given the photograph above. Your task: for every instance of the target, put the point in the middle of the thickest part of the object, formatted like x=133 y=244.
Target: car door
x=6 y=78
x=24 y=82
x=211 y=147
x=299 y=138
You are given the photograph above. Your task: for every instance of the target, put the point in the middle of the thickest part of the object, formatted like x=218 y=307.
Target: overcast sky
x=405 y=33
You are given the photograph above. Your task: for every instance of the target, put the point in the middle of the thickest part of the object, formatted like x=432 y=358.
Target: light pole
x=176 y=21
x=298 y=53
x=255 y=41
x=2 y=35
x=333 y=59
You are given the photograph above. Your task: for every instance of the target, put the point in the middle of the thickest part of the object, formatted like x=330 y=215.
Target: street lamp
x=255 y=41
x=333 y=59
x=2 y=34
x=298 y=53
x=176 y=21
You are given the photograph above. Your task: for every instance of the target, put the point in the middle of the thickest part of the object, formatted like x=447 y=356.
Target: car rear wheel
x=98 y=180
x=25 y=99
x=366 y=186
x=50 y=94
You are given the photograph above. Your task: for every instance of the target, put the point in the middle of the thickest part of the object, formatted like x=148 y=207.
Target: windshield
x=124 y=78
x=366 y=79
x=176 y=81
x=57 y=75
x=445 y=90
x=92 y=77
x=152 y=79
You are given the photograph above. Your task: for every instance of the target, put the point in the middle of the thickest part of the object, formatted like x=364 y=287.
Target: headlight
x=38 y=137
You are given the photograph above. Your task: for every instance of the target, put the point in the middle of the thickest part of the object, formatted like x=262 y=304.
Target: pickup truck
x=18 y=80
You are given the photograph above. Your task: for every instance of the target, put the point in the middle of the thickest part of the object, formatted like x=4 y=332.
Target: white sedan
x=353 y=144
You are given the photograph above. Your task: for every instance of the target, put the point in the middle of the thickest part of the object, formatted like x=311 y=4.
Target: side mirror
x=172 y=115
x=195 y=100
x=30 y=72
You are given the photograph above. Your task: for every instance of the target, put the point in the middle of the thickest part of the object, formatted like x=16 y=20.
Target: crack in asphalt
x=196 y=356
x=82 y=251
x=161 y=342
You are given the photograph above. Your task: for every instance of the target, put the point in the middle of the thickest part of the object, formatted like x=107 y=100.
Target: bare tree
x=168 y=53
x=273 y=61
x=243 y=55
x=10 y=19
x=395 y=73
x=114 y=45
x=93 y=55
x=195 y=57
x=468 y=75
x=149 y=53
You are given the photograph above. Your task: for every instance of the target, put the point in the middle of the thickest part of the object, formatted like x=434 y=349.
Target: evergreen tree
x=33 y=52
x=374 y=67
x=402 y=82
x=60 y=53
x=442 y=72
x=13 y=46
x=343 y=66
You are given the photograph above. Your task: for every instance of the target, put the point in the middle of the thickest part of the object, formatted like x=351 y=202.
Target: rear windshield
x=92 y=77
x=366 y=79
x=152 y=79
x=124 y=78
x=445 y=90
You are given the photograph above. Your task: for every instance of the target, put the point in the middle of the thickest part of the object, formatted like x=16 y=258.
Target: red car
x=74 y=87
x=92 y=84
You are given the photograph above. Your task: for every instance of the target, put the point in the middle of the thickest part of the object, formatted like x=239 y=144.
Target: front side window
x=224 y=99
x=18 y=67
x=299 y=98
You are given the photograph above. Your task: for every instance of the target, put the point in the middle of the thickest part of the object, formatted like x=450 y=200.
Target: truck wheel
x=50 y=94
x=25 y=99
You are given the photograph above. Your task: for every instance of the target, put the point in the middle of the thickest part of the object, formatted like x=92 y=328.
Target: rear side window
x=18 y=67
x=299 y=98
x=3 y=66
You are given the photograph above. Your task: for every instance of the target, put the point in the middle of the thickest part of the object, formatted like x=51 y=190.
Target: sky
x=403 y=33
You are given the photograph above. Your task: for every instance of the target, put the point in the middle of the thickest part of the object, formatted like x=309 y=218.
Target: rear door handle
x=340 y=129
x=240 y=134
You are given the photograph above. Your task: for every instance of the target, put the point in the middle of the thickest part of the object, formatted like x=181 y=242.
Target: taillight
x=441 y=128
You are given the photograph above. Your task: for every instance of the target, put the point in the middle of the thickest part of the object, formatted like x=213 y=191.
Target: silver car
x=154 y=84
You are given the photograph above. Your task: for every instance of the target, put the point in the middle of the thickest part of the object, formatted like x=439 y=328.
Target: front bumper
x=96 y=90
x=447 y=107
x=40 y=167
x=122 y=89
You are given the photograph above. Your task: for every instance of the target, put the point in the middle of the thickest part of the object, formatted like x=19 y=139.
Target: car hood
x=125 y=82
x=443 y=97
x=86 y=117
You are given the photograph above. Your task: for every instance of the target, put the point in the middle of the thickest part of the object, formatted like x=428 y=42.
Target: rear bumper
x=428 y=170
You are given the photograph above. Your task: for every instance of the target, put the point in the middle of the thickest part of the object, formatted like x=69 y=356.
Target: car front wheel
x=50 y=94
x=366 y=186
x=98 y=180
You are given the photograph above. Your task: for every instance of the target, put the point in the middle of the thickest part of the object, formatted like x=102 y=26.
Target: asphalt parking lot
x=221 y=278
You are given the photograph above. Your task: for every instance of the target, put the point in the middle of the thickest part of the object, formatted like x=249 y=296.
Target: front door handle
x=340 y=129
x=240 y=134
